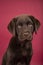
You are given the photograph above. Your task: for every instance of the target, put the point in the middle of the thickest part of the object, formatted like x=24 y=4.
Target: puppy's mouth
x=25 y=36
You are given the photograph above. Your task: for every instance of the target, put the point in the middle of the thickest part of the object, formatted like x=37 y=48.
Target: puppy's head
x=23 y=27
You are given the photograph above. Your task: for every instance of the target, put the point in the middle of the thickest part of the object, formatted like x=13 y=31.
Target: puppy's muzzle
x=26 y=34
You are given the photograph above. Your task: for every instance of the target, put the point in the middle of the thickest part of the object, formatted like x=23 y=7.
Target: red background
x=11 y=8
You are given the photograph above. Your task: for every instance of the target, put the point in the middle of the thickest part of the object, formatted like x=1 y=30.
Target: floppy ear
x=11 y=26
x=36 y=23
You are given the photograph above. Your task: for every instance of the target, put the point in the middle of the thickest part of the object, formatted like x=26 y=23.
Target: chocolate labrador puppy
x=19 y=51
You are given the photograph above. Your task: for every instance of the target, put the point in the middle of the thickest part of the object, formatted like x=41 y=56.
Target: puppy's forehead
x=23 y=19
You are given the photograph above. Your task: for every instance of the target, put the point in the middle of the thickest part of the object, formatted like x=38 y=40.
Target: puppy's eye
x=28 y=23
x=20 y=24
x=30 y=27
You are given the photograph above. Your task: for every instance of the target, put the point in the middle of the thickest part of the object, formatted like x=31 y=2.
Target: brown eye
x=30 y=27
x=27 y=23
x=20 y=24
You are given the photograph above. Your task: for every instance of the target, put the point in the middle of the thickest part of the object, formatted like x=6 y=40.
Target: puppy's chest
x=23 y=49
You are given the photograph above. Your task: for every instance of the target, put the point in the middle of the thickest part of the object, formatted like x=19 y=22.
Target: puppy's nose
x=26 y=34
